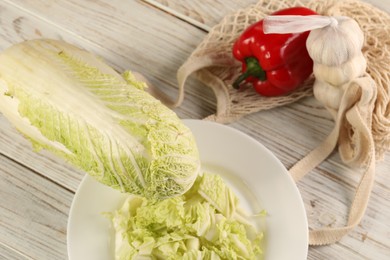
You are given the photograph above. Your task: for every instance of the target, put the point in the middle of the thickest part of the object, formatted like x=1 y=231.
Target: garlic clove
x=343 y=73
x=328 y=94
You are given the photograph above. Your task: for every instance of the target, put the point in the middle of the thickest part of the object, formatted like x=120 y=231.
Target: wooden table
x=154 y=37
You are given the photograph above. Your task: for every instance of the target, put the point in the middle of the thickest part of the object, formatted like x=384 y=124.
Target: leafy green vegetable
x=69 y=102
x=191 y=226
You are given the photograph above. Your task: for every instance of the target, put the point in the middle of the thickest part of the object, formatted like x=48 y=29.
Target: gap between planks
x=13 y=251
x=178 y=15
x=21 y=163
x=50 y=23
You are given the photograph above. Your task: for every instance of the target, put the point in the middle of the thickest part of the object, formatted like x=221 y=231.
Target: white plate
x=256 y=175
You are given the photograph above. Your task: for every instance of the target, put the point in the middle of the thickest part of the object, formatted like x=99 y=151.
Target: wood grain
x=129 y=35
x=205 y=14
x=328 y=190
x=155 y=37
x=7 y=252
x=16 y=147
x=202 y=13
x=25 y=25
x=34 y=212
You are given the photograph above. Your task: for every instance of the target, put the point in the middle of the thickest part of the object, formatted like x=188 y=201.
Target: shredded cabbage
x=191 y=226
x=70 y=102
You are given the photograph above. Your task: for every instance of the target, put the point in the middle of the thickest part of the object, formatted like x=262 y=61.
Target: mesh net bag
x=362 y=122
x=213 y=64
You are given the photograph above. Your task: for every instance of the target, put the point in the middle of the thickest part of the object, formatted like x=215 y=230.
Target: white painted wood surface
x=155 y=37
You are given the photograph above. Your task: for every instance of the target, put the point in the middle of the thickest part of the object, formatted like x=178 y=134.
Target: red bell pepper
x=275 y=64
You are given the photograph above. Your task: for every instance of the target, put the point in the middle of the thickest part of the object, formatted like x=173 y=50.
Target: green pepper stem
x=253 y=69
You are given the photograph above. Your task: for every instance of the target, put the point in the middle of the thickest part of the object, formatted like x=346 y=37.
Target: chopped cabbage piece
x=191 y=226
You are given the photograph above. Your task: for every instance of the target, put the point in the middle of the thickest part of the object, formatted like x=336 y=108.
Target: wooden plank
x=328 y=190
x=127 y=34
x=384 y=5
x=34 y=212
x=10 y=254
x=20 y=24
x=14 y=145
x=327 y=203
x=202 y=13
x=205 y=14
x=369 y=239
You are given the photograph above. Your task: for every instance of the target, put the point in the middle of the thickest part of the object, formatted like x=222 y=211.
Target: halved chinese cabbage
x=70 y=102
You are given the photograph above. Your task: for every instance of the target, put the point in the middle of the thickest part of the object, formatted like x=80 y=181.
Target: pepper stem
x=253 y=69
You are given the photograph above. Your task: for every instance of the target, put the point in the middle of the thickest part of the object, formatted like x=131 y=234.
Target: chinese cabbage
x=70 y=102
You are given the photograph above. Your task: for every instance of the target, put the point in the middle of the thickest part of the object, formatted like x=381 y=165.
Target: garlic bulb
x=335 y=46
x=337 y=43
x=338 y=59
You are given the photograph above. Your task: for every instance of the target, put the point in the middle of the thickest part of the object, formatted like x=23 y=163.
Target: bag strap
x=356 y=104
x=192 y=65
